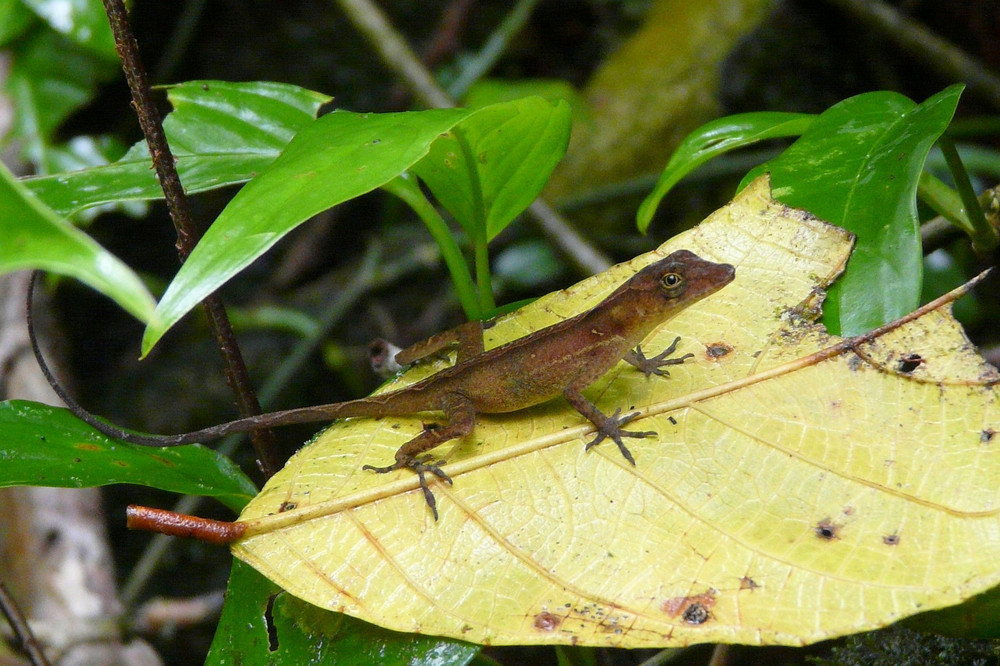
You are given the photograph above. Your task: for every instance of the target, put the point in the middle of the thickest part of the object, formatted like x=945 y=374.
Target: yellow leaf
x=791 y=495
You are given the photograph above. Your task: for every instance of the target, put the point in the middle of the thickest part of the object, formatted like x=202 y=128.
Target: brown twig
x=187 y=233
x=20 y=626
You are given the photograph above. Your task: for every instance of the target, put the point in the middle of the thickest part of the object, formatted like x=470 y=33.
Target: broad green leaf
x=492 y=91
x=82 y=21
x=14 y=18
x=717 y=138
x=799 y=487
x=48 y=446
x=491 y=166
x=50 y=77
x=262 y=625
x=340 y=156
x=220 y=133
x=35 y=237
x=858 y=166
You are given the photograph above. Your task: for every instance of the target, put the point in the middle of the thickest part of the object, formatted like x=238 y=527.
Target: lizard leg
x=461 y=415
x=654 y=365
x=468 y=337
x=607 y=426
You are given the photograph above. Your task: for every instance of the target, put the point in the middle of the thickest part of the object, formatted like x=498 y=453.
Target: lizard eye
x=671 y=280
x=672 y=285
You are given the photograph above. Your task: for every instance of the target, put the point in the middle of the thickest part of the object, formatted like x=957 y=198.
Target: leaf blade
x=47 y=446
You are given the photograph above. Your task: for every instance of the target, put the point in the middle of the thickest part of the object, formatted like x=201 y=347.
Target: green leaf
x=50 y=78
x=340 y=156
x=716 y=138
x=858 y=166
x=262 y=625
x=48 y=446
x=82 y=21
x=35 y=237
x=220 y=133
x=491 y=166
x=979 y=617
x=14 y=18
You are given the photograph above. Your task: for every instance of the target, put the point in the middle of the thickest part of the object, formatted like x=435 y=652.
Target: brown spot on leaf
x=848 y=510
x=718 y=349
x=854 y=362
x=693 y=610
x=748 y=583
x=909 y=363
x=546 y=621
x=826 y=529
x=986 y=436
x=891 y=539
x=672 y=420
x=286 y=506
x=88 y=447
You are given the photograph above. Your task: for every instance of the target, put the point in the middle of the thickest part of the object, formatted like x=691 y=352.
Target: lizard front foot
x=421 y=466
x=611 y=427
x=655 y=364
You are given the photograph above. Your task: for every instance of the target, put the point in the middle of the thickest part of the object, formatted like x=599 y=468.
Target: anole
x=562 y=359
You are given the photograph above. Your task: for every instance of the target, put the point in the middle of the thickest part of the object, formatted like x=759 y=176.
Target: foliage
x=483 y=166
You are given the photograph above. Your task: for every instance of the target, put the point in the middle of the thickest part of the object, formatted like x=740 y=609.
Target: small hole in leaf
x=825 y=529
x=718 y=349
x=891 y=539
x=909 y=363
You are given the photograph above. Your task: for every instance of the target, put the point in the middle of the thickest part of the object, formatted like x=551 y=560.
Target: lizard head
x=676 y=281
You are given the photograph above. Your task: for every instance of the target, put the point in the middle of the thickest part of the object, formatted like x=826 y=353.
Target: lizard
x=561 y=359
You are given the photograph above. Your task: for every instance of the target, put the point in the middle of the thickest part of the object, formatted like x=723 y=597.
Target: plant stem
x=398 y=56
x=494 y=47
x=984 y=237
x=187 y=233
x=404 y=188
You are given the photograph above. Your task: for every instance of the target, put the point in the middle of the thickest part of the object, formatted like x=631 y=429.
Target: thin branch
x=187 y=233
x=400 y=58
x=483 y=62
x=20 y=626
x=926 y=46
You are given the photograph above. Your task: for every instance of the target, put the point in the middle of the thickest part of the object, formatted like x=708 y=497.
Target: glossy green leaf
x=491 y=166
x=220 y=133
x=262 y=625
x=716 y=138
x=82 y=21
x=858 y=166
x=50 y=77
x=35 y=237
x=48 y=446
x=340 y=156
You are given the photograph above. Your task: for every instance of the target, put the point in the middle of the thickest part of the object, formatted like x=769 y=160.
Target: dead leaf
x=792 y=494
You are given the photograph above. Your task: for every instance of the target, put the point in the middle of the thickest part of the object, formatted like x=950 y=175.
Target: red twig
x=178 y=524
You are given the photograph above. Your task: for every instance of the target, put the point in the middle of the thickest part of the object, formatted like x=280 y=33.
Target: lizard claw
x=421 y=466
x=612 y=428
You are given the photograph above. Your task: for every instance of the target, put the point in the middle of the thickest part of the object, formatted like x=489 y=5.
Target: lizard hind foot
x=612 y=427
x=421 y=466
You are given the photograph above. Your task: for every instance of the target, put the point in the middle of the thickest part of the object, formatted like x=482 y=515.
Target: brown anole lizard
x=562 y=359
